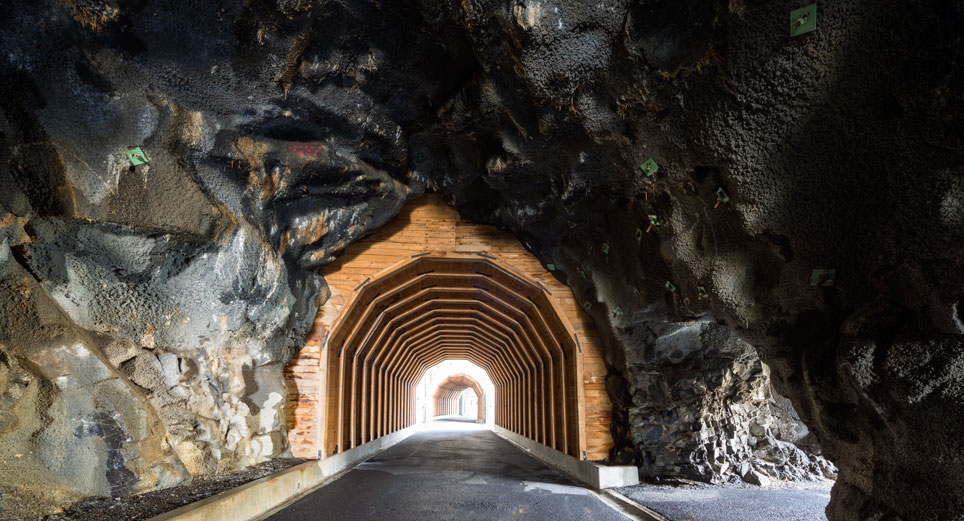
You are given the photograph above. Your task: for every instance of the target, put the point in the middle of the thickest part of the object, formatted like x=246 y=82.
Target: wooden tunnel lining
x=399 y=324
x=446 y=396
x=428 y=288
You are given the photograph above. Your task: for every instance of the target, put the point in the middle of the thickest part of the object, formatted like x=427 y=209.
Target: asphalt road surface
x=451 y=470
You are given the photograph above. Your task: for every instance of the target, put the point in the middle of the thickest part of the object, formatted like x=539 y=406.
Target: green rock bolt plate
x=803 y=20
x=582 y=273
x=552 y=267
x=137 y=157
x=639 y=235
x=617 y=312
x=822 y=277
x=721 y=196
x=649 y=167
x=701 y=291
x=587 y=305
x=605 y=248
x=653 y=220
x=670 y=286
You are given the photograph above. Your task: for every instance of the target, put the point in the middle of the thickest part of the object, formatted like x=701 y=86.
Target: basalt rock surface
x=146 y=311
x=704 y=409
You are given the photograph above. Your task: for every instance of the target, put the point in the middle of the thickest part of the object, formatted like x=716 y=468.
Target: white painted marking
x=555 y=488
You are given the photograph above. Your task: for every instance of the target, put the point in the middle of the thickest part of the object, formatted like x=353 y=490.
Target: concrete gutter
x=593 y=474
x=628 y=507
x=263 y=497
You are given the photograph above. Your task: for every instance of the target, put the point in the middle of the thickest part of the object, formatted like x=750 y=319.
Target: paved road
x=713 y=503
x=451 y=470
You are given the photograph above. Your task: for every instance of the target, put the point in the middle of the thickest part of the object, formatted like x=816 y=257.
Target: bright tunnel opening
x=448 y=389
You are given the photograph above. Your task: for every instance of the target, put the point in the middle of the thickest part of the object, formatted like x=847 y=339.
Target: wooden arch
x=427 y=310
x=445 y=398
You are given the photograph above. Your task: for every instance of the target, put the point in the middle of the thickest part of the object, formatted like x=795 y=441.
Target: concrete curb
x=593 y=474
x=263 y=497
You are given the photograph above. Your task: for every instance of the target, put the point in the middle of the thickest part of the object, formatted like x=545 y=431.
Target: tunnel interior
x=451 y=397
x=435 y=309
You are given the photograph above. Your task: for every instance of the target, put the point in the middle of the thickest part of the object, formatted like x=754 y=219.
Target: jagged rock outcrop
x=705 y=410
x=146 y=311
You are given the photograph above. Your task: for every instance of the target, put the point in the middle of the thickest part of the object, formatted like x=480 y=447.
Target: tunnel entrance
x=429 y=288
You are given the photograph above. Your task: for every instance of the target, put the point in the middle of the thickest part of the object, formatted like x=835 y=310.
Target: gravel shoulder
x=690 y=501
x=150 y=504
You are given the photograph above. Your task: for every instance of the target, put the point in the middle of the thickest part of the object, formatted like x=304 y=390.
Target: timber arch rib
x=446 y=396
x=435 y=309
x=429 y=288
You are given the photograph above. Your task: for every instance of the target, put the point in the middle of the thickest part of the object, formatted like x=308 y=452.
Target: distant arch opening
x=441 y=376
x=467 y=402
x=453 y=393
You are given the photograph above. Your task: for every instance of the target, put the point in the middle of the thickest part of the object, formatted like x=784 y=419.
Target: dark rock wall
x=840 y=149
x=147 y=311
x=704 y=408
